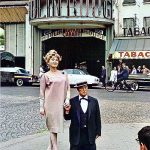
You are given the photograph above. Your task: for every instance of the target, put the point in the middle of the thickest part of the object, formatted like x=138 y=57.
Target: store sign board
x=98 y=33
x=71 y=8
x=145 y=31
x=131 y=55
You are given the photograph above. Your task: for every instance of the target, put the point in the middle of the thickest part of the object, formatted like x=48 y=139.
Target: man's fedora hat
x=80 y=84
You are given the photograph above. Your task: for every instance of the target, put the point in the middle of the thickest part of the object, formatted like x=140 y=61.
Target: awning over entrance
x=130 y=48
x=12 y=14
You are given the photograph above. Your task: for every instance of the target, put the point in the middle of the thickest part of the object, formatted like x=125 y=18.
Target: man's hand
x=97 y=136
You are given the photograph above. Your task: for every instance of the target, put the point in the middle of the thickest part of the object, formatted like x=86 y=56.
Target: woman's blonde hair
x=50 y=54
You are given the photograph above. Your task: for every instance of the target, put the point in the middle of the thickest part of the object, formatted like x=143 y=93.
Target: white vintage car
x=77 y=75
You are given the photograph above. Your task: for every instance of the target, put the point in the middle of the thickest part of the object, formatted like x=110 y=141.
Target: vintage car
x=77 y=75
x=141 y=80
x=17 y=75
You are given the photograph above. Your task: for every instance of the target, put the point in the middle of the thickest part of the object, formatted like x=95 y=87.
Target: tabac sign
x=131 y=55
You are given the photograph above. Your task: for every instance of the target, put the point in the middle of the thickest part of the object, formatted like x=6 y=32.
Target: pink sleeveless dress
x=53 y=88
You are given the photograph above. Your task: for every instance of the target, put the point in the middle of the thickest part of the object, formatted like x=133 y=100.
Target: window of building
x=2 y=37
x=127 y=2
x=146 y=22
x=128 y=22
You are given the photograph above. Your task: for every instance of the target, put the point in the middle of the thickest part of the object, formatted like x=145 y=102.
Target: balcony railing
x=70 y=8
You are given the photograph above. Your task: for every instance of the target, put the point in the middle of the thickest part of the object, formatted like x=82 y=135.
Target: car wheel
x=134 y=86
x=19 y=82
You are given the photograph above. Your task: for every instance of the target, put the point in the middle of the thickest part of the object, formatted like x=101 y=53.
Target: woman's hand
x=67 y=101
x=42 y=111
x=67 y=108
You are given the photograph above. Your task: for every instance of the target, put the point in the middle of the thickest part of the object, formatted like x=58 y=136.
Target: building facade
x=131 y=32
x=81 y=31
x=13 y=25
x=96 y=32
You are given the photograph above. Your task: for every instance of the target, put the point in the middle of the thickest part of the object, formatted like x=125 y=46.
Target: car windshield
x=76 y=71
x=84 y=72
x=23 y=71
x=68 y=71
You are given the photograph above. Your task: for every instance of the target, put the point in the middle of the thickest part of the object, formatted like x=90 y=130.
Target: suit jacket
x=94 y=120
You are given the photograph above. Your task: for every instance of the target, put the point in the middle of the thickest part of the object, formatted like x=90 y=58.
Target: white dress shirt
x=84 y=103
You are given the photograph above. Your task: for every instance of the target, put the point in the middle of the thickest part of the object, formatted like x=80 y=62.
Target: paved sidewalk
x=114 y=137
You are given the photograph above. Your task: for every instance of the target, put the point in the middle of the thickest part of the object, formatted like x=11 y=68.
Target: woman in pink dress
x=54 y=92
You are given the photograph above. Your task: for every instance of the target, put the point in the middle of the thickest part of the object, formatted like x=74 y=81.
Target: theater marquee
x=97 y=33
x=131 y=55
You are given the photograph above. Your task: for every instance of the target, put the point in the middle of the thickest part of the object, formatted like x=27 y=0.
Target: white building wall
x=128 y=11
x=28 y=47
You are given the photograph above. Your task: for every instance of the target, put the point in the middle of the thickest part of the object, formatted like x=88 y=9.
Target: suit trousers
x=84 y=143
x=83 y=147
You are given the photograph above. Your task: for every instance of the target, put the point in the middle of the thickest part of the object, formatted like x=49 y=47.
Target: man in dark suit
x=84 y=114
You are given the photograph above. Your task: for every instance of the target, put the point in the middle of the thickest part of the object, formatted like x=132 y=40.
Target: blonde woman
x=54 y=92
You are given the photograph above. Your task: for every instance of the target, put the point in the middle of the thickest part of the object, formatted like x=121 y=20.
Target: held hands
x=67 y=101
x=67 y=105
x=67 y=108
x=97 y=136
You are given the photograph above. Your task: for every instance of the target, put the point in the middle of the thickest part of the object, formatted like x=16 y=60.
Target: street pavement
x=114 y=137
x=22 y=128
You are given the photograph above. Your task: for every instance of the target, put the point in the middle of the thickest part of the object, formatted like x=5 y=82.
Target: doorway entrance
x=76 y=50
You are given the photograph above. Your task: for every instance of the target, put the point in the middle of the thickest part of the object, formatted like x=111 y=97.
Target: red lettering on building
x=141 y=54
x=147 y=54
x=133 y=54
x=121 y=54
x=127 y=54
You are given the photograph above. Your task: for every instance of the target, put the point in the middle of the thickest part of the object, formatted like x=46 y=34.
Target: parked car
x=17 y=75
x=141 y=80
x=77 y=75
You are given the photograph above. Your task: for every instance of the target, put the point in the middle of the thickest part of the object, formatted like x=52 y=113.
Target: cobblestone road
x=19 y=110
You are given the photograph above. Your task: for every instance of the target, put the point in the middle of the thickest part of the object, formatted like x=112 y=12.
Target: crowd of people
x=139 y=69
x=121 y=72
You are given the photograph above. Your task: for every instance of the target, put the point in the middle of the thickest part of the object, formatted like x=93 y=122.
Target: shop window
x=146 y=22
x=128 y=22
x=128 y=2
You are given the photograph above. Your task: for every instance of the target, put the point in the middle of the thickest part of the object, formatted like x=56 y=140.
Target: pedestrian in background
x=134 y=71
x=145 y=70
x=139 y=70
x=144 y=138
x=113 y=75
x=54 y=89
x=103 y=76
x=84 y=114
